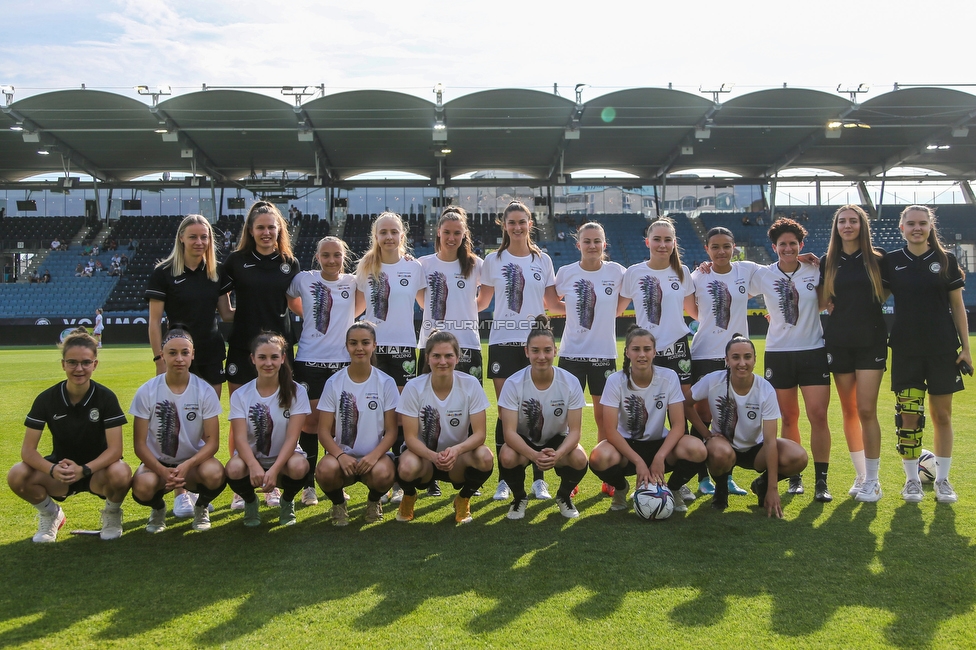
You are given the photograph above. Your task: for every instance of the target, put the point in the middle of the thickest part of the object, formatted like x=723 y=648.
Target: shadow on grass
x=809 y=567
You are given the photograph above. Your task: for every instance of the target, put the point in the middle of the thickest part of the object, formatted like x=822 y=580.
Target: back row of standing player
x=453 y=285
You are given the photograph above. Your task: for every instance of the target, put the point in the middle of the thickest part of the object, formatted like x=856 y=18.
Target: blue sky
x=410 y=46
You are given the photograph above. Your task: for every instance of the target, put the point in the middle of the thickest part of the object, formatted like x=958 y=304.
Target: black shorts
x=802 y=368
x=398 y=361
x=82 y=485
x=240 y=370
x=553 y=443
x=747 y=457
x=701 y=367
x=843 y=360
x=590 y=371
x=470 y=362
x=439 y=475
x=212 y=373
x=506 y=359
x=677 y=357
x=936 y=373
x=647 y=450
x=313 y=375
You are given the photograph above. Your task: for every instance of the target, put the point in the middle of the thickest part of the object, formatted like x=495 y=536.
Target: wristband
x=157 y=358
x=337 y=457
x=53 y=465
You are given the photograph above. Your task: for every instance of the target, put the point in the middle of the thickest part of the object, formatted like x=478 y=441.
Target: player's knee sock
x=722 y=485
x=309 y=442
x=290 y=487
x=858 y=459
x=409 y=487
x=537 y=474
x=474 y=478
x=682 y=473
x=871 y=467
x=613 y=476
x=336 y=497
x=374 y=495
x=243 y=488
x=156 y=502
x=515 y=478
x=820 y=471
x=499 y=441
x=208 y=494
x=942 y=465
x=569 y=479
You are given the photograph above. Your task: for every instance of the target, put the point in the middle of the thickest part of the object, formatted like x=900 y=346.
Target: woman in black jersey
x=187 y=289
x=929 y=345
x=260 y=272
x=856 y=339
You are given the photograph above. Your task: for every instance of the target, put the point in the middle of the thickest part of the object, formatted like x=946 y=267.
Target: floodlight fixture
x=8 y=94
x=960 y=132
x=439 y=93
x=935 y=146
x=31 y=136
x=155 y=93
x=854 y=91
x=19 y=126
x=297 y=92
x=715 y=91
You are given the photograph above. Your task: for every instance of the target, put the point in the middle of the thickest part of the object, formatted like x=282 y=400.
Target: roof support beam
x=804 y=145
x=967 y=192
x=687 y=141
x=200 y=156
x=915 y=149
x=317 y=146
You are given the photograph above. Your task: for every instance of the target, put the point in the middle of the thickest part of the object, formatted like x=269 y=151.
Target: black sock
x=374 y=495
x=613 y=476
x=820 y=470
x=290 y=487
x=336 y=497
x=243 y=487
x=409 y=487
x=682 y=473
x=156 y=502
x=207 y=494
x=537 y=474
x=309 y=442
x=722 y=485
x=473 y=479
x=569 y=479
x=515 y=478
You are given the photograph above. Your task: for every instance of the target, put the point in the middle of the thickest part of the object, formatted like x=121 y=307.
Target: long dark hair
x=286 y=385
x=632 y=333
x=934 y=242
x=283 y=243
x=465 y=251
x=868 y=254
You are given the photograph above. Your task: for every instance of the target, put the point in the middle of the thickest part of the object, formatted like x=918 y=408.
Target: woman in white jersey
x=266 y=417
x=638 y=399
x=521 y=279
x=330 y=303
x=541 y=408
x=357 y=427
x=439 y=410
x=795 y=354
x=719 y=304
x=176 y=432
x=590 y=290
x=99 y=327
x=744 y=418
x=450 y=301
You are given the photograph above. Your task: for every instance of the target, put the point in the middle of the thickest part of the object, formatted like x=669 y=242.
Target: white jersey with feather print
x=390 y=298
x=266 y=419
x=520 y=287
x=793 y=306
x=542 y=414
x=359 y=408
x=329 y=310
x=659 y=300
x=642 y=412
x=723 y=302
x=175 y=421
x=443 y=423
x=591 y=310
x=451 y=300
x=737 y=417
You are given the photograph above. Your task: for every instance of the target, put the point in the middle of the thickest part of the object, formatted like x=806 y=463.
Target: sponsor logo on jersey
x=180 y=281
x=247 y=266
x=900 y=268
x=60 y=416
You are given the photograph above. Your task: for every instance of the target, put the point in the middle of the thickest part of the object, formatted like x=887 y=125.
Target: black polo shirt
x=191 y=299
x=923 y=322
x=259 y=283
x=856 y=320
x=78 y=430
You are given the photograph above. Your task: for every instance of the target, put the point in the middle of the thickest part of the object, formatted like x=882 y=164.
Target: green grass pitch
x=839 y=575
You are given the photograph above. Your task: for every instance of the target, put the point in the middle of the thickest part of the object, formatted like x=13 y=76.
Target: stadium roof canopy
x=233 y=135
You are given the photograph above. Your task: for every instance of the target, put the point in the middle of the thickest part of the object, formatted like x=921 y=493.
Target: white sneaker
x=566 y=508
x=912 y=492
x=183 y=505
x=111 y=524
x=944 y=492
x=540 y=490
x=397 y=496
x=201 y=519
x=309 y=497
x=48 y=526
x=870 y=492
x=237 y=503
x=858 y=483
x=679 y=505
x=685 y=494
x=502 y=493
x=517 y=509
x=618 y=501
x=157 y=521
x=272 y=499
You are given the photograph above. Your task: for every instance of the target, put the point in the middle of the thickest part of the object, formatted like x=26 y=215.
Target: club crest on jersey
x=495 y=367
x=404 y=282
x=345 y=295
x=557 y=412
x=608 y=291
x=373 y=405
x=742 y=289
x=285 y=267
x=675 y=286
x=659 y=405
x=191 y=416
x=830 y=359
x=455 y=422
x=537 y=276
x=460 y=284
x=232 y=369
x=935 y=267
x=751 y=415
x=286 y=413
x=93 y=415
x=810 y=286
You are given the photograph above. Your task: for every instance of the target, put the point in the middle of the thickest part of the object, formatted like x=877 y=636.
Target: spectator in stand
x=86 y=251
x=95 y=250
x=124 y=260
x=99 y=267
x=46 y=277
x=56 y=244
x=33 y=278
x=746 y=221
x=80 y=270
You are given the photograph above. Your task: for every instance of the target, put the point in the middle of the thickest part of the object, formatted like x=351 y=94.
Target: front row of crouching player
x=443 y=414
